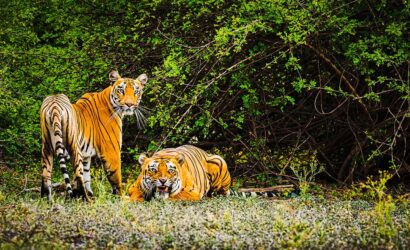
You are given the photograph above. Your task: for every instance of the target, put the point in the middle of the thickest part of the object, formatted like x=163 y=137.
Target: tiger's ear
x=143 y=79
x=181 y=159
x=114 y=76
x=142 y=158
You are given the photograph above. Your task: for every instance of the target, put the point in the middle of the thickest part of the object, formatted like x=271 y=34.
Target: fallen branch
x=58 y=186
x=268 y=189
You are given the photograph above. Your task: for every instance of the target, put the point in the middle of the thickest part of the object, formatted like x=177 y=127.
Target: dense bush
x=260 y=80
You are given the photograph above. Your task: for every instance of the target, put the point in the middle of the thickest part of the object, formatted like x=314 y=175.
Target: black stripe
x=85 y=121
x=111 y=173
x=197 y=176
x=64 y=170
x=220 y=164
x=225 y=176
x=197 y=159
x=102 y=124
x=112 y=127
x=66 y=127
x=87 y=106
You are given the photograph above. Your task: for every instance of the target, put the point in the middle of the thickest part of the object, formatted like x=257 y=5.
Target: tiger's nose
x=162 y=180
x=129 y=104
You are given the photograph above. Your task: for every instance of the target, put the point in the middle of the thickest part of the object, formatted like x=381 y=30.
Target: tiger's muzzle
x=163 y=188
x=128 y=109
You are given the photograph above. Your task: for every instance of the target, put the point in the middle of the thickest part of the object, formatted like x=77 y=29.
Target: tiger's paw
x=125 y=198
x=46 y=191
x=80 y=193
x=90 y=193
x=150 y=194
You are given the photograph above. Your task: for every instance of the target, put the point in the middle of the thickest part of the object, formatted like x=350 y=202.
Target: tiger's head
x=126 y=93
x=161 y=175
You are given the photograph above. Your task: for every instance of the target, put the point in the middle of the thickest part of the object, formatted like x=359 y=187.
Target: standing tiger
x=92 y=126
x=183 y=173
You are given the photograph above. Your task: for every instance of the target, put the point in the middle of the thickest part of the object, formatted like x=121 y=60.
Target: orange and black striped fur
x=183 y=173
x=92 y=126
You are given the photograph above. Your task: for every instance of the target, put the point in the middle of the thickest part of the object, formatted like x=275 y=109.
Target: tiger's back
x=210 y=170
x=54 y=110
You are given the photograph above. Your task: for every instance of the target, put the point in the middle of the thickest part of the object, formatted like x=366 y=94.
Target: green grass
x=29 y=222
x=310 y=221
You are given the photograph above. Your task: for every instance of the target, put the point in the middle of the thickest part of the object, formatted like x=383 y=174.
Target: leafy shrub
x=247 y=76
x=384 y=204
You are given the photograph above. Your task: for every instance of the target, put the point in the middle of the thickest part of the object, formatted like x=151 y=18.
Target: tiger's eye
x=120 y=91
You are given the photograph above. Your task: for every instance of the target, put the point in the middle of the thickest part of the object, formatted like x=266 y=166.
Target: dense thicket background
x=279 y=87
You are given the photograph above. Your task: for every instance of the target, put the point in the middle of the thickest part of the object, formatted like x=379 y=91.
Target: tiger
x=90 y=127
x=183 y=173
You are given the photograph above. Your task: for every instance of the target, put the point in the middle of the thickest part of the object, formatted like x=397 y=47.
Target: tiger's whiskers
x=141 y=119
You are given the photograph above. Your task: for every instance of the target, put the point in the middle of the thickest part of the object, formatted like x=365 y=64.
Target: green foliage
x=246 y=74
x=2 y=197
x=304 y=166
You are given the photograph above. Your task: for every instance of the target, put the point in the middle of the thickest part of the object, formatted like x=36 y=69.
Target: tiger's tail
x=253 y=193
x=60 y=150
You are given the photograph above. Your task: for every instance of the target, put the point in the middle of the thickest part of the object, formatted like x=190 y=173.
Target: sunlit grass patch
x=218 y=222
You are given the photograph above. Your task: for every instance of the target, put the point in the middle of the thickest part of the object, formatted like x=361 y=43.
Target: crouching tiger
x=183 y=173
x=92 y=126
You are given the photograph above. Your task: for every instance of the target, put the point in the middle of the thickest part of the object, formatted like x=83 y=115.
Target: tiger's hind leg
x=62 y=154
x=47 y=165
x=221 y=179
x=77 y=162
x=48 y=152
x=52 y=126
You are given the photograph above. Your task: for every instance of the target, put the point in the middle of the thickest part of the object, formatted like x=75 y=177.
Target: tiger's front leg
x=77 y=162
x=135 y=191
x=187 y=196
x=136 y=195
x=112 y=167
